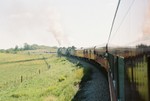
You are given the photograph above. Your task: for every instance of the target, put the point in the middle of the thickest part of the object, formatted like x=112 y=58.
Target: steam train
x=128 y=69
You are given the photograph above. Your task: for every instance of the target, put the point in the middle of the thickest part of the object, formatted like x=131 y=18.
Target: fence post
x=21 y=78
x=39 y=71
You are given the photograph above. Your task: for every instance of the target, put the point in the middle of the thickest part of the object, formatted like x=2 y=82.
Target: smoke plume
x=56 y=29
x=146 y=29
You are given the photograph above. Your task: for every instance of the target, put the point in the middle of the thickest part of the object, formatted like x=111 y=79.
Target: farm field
x=37 y=77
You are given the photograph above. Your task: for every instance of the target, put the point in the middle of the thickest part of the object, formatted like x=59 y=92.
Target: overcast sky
x=82 y=23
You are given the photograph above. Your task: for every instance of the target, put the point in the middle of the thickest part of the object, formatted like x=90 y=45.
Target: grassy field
x=30 y=77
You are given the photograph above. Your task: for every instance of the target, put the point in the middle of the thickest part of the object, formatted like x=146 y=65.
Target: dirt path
x=95 y=88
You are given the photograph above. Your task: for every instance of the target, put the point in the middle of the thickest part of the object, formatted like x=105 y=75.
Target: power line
x=124 y=18
x=113 y=23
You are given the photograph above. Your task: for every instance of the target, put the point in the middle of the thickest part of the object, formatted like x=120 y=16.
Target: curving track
x=95 y=88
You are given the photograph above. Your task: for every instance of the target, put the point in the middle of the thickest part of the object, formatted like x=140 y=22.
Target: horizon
x=111 y=46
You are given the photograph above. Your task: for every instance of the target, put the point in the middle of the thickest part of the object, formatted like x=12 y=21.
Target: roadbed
x=94 y=85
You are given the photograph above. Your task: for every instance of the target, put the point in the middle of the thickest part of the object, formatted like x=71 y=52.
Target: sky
x=82 y=23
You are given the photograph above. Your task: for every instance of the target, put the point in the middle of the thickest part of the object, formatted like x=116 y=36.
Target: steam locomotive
x=128 y=69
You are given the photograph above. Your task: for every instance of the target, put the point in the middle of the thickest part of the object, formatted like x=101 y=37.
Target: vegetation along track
x=94 y=84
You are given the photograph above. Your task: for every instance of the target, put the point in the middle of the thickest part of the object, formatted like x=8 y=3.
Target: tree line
x=25 y=47
x=142 y=46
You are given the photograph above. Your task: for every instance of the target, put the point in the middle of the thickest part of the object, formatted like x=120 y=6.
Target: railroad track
x=94 y=86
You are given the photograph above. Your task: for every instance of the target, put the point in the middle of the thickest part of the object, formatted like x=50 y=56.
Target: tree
x=26 y=46
x=2 y=50
x=16 y=48
x=142 y=46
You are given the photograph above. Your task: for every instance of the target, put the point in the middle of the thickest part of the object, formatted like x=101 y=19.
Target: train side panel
x=79 y=53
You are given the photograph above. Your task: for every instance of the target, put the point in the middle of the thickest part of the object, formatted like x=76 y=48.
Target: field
x=37 y=77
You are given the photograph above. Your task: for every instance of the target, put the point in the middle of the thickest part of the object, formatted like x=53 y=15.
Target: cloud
x=22 y=15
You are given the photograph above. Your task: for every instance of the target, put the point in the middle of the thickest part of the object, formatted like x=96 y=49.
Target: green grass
x=59 y=83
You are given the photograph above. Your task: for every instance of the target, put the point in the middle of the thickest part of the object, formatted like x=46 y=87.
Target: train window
x=83 y=51
x=86 y=51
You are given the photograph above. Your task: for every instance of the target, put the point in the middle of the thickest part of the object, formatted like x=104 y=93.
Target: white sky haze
x=82 y=23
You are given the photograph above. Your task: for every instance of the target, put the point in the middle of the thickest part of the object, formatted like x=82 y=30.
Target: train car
x=128 y=70
x=89 y=53
x=130 y=73
x=64 y=51
x=79 y=53
x=85 y=52
x=137 y=72
x=59 y=51
x=71 y=51
x=92 y=56
x=101 y=56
